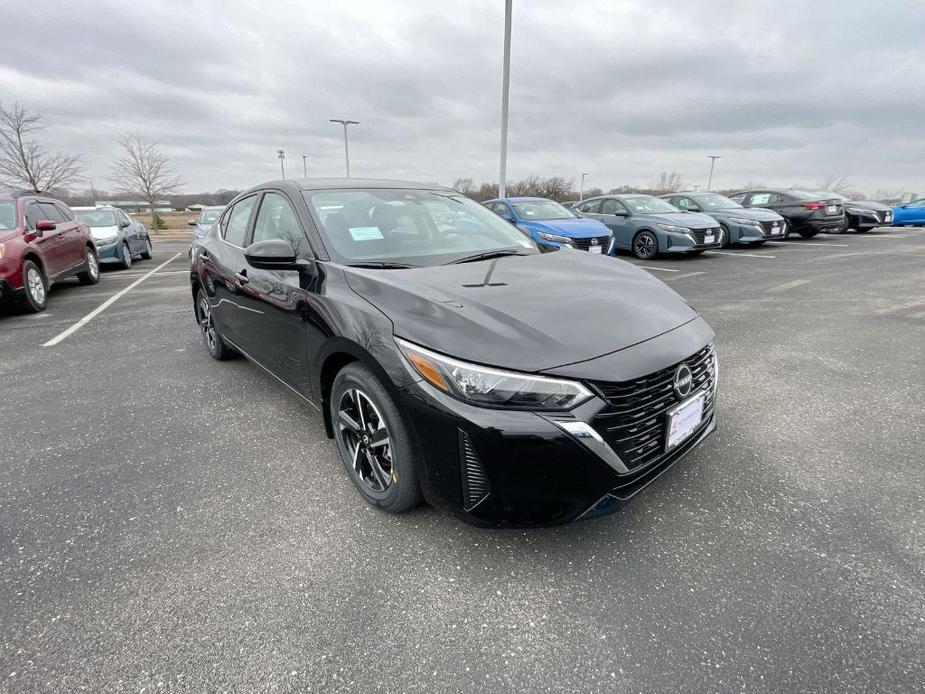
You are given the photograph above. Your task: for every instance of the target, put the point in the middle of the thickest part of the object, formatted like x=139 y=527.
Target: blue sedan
x=552 y=226
x=912 y=213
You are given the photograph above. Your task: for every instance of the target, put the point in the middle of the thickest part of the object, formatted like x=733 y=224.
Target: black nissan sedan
x=449 y=359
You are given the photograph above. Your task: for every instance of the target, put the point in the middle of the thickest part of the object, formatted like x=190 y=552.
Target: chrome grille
x=634 y=421
x=701 y=234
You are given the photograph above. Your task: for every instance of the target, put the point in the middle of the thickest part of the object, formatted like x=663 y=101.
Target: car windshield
x=209 y=216
x=97 y=218
x=7 y=214
x=807 y=194
x=410 y=227
x=715 y=201
x=541 y=210
x=648 y=204
x=831 y=195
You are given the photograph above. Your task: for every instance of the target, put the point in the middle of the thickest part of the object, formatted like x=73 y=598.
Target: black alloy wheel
x=645 y=245
x=211 y=337
x=373 y=441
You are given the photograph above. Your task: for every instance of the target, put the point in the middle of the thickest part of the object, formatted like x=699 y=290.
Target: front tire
x=148 y=252
x=724 y=230
x=645 y=245
x=92 y=274
x=373 y=440
x=809 y=233
x=211 y=337
x=35 y=287
x=126 y=256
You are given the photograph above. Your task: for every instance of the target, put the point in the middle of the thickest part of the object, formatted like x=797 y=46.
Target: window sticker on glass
x=365 y=233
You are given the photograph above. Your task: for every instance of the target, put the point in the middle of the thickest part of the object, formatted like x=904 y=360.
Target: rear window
x=7 y=214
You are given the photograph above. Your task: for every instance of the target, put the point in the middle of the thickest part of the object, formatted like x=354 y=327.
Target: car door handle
x=241 y=277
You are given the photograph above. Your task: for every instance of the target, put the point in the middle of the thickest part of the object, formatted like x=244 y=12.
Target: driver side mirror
x=124 y=224
x=191 y=222
x=694 y=208
x=44 y=225
x=276 y=254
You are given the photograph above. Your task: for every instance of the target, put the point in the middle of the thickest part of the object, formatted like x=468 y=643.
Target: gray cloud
x=788 y=92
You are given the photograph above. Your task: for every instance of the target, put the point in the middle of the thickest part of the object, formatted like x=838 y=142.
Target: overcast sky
x=787 y=92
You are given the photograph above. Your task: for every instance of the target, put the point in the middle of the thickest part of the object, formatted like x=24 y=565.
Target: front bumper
x=519 y=468
x=110 y=252
x=8 y=291
x=683 y=243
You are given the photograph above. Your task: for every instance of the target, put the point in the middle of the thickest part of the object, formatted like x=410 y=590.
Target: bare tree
x=145 y=171
x=465 y=186
x=839 y=184
x=668 y=182
x=24 y=162
x=752 y=184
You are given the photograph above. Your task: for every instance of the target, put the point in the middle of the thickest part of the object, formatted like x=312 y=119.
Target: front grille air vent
x=475 y=481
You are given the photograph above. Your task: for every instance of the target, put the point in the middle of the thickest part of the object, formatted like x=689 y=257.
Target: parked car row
x=690 y=223
x=42 y=241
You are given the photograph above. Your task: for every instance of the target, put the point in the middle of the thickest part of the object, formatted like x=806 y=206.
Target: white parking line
x=901 y=307
x=103 y=306
x=814 y=244
x=884 y=236
x=740 y=255
x=660 y=269
x=788 y=285
x=689 y=274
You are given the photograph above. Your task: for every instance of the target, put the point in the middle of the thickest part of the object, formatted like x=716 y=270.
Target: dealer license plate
x=594 y=249
x=684 y=420
x=709 y=238
x=775 y=230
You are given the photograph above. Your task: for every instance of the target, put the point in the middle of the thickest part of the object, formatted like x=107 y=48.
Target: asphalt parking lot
x=171 y=523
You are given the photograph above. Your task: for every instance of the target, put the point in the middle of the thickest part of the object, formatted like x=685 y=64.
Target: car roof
x=295 y=186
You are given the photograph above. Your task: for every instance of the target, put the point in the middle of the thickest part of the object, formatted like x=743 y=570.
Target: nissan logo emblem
x=683 y=381
x=594 y=242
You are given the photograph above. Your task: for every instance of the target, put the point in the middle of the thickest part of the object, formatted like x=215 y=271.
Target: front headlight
x=103 y=240
x=745 y=222
x=487 y=387
x=552 y=237
x=674 y=229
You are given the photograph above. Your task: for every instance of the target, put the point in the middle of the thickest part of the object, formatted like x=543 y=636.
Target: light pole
x=304 y=166
x=282 y=168
x=505 y=89
x=712 y=158
x=345 y=123
x=581 y=188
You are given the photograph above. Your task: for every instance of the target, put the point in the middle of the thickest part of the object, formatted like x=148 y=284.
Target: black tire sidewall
x=27 y=296
x=220 y=352
x=126 y=256
x=404 y=492
x=86 y=277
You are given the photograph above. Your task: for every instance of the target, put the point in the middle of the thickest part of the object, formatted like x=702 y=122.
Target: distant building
x=137 y=205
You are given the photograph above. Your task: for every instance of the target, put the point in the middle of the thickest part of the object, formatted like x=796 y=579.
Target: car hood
x=756 y=213
x=9 y=234
x=104 y=232
x=573 y=228
x=527 y=313
x=866 y=205
x=691 y=220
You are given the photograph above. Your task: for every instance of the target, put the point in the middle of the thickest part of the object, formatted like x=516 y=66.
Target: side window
x=236 y=227
x=680 y=203
x=591 y=207
x=51 y=212
x=776 y=197
x=738 y=197
x=611 y=206
x=277 y=220
x=760 y=199
x=124 y=217
x=33 y=214
x=65 y=211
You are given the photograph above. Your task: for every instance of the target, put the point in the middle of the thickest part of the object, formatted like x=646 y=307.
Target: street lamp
x=282 y=168
x=345 y=123
x=304 y=166
x=581 y=188
x=712 y=158
x=505 y=89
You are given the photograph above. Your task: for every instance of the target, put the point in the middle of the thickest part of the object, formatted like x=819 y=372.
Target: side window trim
x=249 y=229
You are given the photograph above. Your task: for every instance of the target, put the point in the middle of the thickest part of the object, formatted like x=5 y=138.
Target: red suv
x=41 y=241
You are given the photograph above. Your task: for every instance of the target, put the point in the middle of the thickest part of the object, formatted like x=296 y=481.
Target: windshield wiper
x=485 y=256
x=382 y=265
